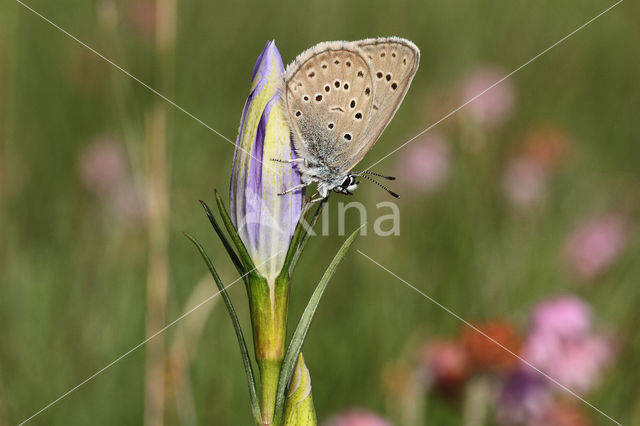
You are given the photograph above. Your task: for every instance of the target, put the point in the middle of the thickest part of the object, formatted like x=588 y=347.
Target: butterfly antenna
x=367 y=172
x=381 y=186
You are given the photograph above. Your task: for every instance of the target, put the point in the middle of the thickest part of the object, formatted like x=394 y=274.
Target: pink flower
x=495 y=105
x=444 y=364
x=103 y=171
x=543 y=150
x=102 y=166
x=595 y=245
x=562 y=344
x=524 y=182
x=425 y=164
x=357 y=417
x=142 y=16
x=565 y=316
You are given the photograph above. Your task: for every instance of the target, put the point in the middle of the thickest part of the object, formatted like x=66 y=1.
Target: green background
x=73 y=275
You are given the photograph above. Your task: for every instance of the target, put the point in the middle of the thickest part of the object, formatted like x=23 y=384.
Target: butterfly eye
x=352 y=104
x=388 y=77
x=394 y=85
x=347 y=182
x=327 y=88
x=318 y=98
x=305 y=98
x=347 y=136
x=346 y=86
x=379 y=74
x=358 y=116
x=337 y=84
x=330 y=126
x=298 y=113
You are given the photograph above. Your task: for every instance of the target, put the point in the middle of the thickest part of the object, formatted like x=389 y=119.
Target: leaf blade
x=237 y=241
x=232 y=254
x=253 y=394
x=299 y=335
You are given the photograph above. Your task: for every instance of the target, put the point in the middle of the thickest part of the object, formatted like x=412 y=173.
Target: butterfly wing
x=394 y=62
x=329 y=101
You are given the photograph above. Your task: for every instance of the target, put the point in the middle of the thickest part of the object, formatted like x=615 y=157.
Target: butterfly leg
x=320 y=198
x=291 y=161
x=293 y=188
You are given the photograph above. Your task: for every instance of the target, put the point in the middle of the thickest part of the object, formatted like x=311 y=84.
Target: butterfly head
x=348 y=185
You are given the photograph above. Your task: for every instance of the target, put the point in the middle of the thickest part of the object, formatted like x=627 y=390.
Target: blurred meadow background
x=518 y=213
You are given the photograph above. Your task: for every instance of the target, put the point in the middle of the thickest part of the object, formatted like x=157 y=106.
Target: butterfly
x=339 y=97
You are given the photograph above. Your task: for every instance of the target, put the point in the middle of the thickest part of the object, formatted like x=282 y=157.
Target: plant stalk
x=269 y=319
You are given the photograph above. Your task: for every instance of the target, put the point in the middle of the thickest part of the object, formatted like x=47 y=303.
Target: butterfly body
x=339 y=97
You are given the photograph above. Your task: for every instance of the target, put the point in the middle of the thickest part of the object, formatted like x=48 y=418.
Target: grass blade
x=232 y=254
x=299 y=335
x=253 y=395
x=305 y=238
x=299 y=234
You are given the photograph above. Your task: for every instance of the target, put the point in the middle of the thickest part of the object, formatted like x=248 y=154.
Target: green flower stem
x=269 y=318
x=269 y=373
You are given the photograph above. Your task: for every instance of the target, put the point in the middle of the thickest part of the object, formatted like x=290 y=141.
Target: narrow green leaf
x=232 y=254
x=242 y=250
x=298 y=234
x=253 y=395
x=297 y=340
x=305 y=237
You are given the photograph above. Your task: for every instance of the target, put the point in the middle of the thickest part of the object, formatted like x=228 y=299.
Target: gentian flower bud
x=265 y=221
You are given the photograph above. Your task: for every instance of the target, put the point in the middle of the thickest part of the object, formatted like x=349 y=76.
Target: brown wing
x=329 y=101
x=394 y=62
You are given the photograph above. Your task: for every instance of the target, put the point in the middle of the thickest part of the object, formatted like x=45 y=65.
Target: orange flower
x=548 y=146
x=566 y=413
x=482 y=350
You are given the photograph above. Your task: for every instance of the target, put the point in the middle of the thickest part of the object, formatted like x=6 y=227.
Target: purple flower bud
x=265 y=220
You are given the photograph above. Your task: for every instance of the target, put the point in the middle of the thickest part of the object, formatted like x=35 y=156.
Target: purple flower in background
x=495 y=105
x=595 y=245
x=102 y=167
x=357 y=417
x=524 y=399
x=265 y=221
x=562 y=344
x=425 y=164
